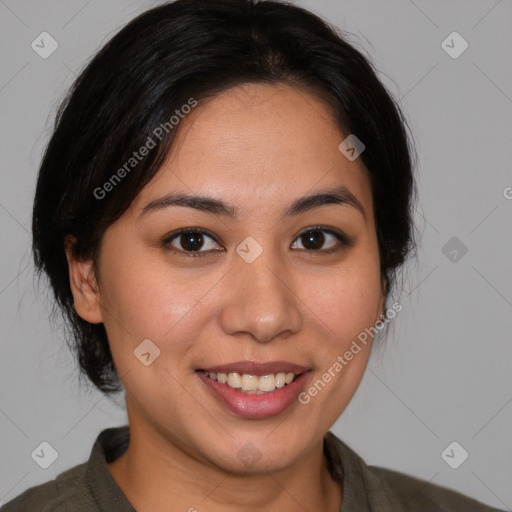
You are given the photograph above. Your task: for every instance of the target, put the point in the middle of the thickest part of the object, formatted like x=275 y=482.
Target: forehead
x=258 y=145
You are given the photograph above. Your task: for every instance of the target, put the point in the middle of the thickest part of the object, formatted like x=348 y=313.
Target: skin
x=259 y=148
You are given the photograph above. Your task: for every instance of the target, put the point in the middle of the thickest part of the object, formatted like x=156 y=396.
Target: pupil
x=314 y=239
x=192 y=241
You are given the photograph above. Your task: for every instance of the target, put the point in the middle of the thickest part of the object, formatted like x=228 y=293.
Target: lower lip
x=254 y=405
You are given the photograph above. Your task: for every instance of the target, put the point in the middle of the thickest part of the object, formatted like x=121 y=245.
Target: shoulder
x=68 y=492
x=87 y=487
x=416 y=495
x=372 y=488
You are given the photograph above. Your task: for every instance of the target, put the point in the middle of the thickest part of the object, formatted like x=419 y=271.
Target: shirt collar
x=110 y=444
x=363 y=490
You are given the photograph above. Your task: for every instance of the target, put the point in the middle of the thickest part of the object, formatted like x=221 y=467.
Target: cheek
x=347 y=304
x=348 y=301
x=139 y=288
x=140 y=300
x=346 y=310
x=147 y=298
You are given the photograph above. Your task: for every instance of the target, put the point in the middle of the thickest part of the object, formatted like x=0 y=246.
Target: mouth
x=255 y=390
x=253 y=384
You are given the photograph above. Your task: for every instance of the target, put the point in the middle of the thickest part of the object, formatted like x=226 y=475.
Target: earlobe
x=83 y=285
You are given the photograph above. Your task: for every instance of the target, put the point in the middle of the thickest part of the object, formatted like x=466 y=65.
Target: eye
x=197 y=242
x=190 y=241
x=313 y=239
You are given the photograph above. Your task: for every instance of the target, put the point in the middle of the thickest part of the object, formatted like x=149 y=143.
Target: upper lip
x=255 y=368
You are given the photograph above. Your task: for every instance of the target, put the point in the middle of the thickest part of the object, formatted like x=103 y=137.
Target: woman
x=222 y=211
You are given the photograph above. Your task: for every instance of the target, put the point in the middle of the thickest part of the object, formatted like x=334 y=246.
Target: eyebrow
x=341 y=195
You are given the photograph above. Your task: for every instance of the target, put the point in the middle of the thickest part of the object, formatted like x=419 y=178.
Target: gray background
x=444 y=372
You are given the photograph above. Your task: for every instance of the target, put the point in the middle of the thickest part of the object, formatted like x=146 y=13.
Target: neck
x=154 y=472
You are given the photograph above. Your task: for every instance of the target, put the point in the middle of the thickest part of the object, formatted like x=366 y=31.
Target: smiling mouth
x=253 y=384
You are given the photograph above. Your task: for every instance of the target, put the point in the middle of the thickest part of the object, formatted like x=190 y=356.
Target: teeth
x=253 y=384
x=249 y=383
x=280 y=380
x=234 y=380
x=267 y=383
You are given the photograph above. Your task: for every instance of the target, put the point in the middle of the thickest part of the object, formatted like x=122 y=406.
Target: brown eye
x=191 y=242
x=320 y=240
x=313 y=239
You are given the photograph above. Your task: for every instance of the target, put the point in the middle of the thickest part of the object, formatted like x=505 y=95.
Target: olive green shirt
x=89 y=487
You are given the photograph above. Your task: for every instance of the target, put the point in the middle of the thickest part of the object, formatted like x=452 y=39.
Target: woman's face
x=254 y=290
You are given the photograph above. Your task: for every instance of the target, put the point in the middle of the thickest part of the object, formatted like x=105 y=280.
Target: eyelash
x=343 y=240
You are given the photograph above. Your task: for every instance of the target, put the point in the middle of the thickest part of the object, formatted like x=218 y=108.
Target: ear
x=83 y=284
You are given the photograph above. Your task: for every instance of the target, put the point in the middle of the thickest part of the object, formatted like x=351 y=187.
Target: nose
x=260 y=300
